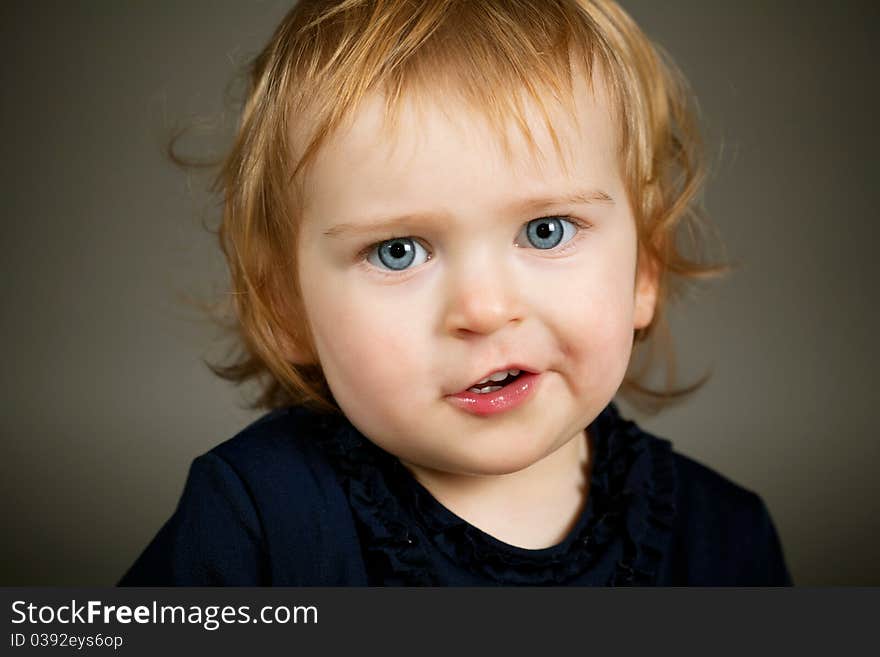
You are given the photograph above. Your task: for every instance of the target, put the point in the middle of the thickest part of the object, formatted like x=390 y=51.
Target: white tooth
x=497 y=376
x=490 y=389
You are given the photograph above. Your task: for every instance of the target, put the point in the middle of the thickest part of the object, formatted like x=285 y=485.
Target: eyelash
x=362 y=255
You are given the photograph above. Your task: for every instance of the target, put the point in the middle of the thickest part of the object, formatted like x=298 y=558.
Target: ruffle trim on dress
x=649 y=491
x=630 y=511
x=390 y=543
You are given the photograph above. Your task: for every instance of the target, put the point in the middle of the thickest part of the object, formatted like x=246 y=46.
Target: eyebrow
x=521 y=206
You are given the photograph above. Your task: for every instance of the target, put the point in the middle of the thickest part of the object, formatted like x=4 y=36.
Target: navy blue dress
x=303 y=499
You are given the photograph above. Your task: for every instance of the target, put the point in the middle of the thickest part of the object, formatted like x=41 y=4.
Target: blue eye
x=397 y=254
x=547 y=232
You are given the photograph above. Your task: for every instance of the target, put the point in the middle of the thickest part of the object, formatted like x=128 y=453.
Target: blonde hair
x=325 y=56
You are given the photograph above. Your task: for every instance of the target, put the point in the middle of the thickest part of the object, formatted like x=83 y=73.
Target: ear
x=646 y=291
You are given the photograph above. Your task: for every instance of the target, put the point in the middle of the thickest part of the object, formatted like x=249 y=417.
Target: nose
x=482 y=297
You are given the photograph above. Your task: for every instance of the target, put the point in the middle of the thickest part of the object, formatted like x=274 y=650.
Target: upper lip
x=512 y=366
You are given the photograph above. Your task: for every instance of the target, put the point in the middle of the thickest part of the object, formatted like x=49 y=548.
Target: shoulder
x=296 y=491
x=273 y=466
x=277 y=452
x=725 y=531
x=721 y=533
x=264 y=507
x=701 y=489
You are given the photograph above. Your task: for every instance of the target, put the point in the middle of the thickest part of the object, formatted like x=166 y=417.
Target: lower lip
x=490 y=403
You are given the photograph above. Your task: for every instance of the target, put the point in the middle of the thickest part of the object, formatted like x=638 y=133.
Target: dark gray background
x=106 y=400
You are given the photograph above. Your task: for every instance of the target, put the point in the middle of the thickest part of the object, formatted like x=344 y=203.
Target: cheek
x=364 y=339
x=371 y=352
x=596 y=326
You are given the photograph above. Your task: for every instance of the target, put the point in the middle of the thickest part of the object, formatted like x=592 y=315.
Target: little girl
x=439 y=311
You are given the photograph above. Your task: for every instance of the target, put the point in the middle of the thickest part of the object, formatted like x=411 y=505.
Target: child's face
x=474 y=288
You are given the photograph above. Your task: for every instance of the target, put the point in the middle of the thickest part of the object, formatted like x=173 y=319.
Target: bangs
x=489 y=59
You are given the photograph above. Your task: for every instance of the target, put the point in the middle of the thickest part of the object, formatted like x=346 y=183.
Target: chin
x=496 y=464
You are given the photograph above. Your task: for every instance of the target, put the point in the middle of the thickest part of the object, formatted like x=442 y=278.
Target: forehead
x=439 y=150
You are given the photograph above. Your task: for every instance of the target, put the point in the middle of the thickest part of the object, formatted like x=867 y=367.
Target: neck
x=533 y=508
